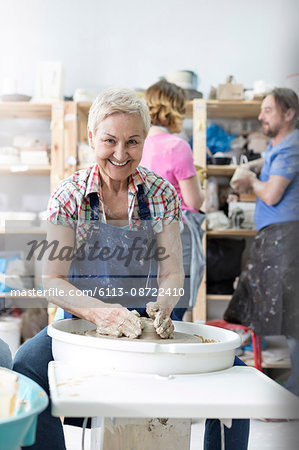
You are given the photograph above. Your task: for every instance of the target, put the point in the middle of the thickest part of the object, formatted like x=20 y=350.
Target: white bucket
x=10 y=332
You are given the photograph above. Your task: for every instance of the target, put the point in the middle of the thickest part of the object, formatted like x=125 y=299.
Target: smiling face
x=118 y=144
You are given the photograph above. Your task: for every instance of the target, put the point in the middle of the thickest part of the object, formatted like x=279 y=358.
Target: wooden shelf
x=202 y=113
x=24 y=301
x=189 y=110
x=23 y=231
x=19 y=297
x=225 y=297
x=247 y=197
x=231 y=232
x=25 y=110
x=84 y=107
x=224 y=171
x=22 y=169
x=233 y=109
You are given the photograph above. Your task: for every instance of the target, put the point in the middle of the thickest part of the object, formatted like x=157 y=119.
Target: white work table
x=238 y=392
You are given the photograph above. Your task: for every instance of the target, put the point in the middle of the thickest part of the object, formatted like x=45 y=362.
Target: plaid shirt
x=70 y=206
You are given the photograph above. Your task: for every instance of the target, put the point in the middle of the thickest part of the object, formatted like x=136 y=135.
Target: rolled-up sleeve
x=173 y=208
x=171 y=211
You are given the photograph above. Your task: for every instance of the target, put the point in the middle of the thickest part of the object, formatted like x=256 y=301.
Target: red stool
x=256 y=340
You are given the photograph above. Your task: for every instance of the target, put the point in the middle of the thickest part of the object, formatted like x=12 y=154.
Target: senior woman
x=116 y=231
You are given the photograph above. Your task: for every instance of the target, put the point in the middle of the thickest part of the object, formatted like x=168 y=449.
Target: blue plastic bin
x=19 y=430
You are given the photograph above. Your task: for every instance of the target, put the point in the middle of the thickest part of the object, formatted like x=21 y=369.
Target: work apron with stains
x=267 y=296
x=118 y=276
x=92 y=274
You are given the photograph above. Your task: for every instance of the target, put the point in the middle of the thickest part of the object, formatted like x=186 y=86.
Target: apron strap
x=144 y=212
x=94 y=206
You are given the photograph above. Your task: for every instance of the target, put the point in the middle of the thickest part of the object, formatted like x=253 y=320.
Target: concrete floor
x=263 y=436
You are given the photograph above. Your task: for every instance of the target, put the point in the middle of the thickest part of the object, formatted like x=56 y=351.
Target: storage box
x=230 y=91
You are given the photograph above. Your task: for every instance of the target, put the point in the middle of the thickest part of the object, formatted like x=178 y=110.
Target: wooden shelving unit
x=202 y=111
x=26 y=110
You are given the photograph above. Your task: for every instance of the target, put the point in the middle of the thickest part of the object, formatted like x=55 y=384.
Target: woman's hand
x=162 y=321
x=118 y=321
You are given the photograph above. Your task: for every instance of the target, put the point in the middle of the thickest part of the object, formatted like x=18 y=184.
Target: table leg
x=154 y=434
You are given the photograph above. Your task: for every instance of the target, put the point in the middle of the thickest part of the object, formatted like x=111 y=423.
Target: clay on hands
x=242 y=180
x=162 y=321
x=119 y=322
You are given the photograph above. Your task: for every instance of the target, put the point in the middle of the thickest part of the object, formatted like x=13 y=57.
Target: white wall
x=133 y=42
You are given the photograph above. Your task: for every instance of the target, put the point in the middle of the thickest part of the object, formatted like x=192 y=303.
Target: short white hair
x=117 y=100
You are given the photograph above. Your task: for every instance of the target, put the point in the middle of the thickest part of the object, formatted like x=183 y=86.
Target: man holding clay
x=266 y=298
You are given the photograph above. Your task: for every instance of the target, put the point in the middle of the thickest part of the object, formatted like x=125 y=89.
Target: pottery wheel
x=149 y=334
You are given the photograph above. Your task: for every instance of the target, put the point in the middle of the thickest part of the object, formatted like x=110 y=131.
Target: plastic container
x=220 y=161
x=10 y=332
x=70 y=345
x=19 y=429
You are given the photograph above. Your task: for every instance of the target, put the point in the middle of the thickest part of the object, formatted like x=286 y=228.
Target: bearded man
x=267 y=295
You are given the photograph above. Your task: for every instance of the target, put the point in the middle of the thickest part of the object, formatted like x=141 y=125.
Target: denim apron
x=266 y=297
x=112 y=273
x=117 y=277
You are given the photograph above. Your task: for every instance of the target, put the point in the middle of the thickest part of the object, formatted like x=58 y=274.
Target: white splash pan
x=165 y=358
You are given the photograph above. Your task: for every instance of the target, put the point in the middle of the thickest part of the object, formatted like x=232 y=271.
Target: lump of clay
x=239 y=174
x=148 y=329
